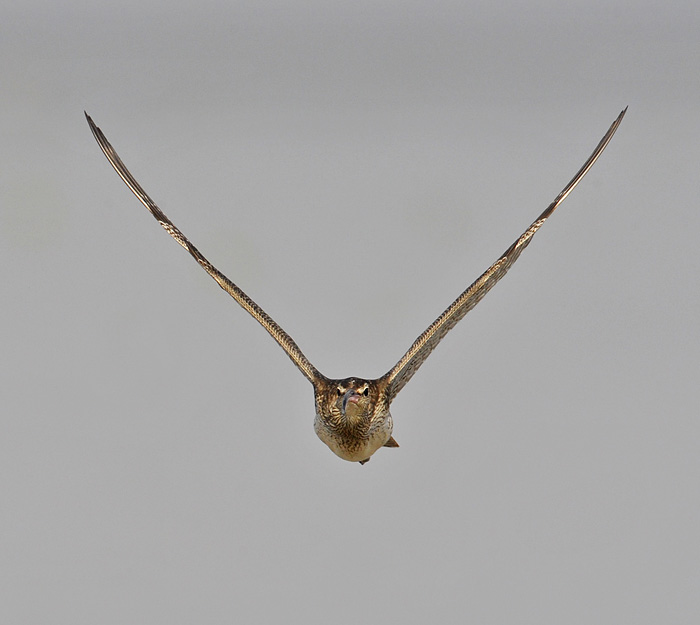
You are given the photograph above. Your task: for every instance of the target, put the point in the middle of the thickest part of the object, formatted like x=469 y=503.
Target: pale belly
x=351 y=448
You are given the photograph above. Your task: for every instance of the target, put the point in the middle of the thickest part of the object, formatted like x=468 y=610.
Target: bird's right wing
x=404 y=369
x=277 y=333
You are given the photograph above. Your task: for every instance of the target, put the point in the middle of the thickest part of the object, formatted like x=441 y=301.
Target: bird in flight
x=352 y=414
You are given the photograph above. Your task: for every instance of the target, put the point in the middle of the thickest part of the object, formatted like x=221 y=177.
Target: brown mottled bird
x=352 y=415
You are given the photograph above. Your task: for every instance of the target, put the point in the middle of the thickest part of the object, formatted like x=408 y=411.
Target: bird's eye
x=366 y=392
x=340 y=391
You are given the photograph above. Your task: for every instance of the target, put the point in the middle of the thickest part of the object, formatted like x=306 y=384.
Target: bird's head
x=355 y=400
x=349 y=402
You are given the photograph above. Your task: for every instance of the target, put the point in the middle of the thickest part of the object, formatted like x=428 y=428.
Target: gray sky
x=157 y=457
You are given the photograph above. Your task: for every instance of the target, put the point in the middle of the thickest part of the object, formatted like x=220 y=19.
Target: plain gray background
x=353 y=166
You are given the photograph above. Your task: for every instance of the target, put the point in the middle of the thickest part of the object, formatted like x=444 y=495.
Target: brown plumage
x=352 y=415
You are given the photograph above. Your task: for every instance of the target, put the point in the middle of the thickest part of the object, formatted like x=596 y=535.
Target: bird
x=352 y=414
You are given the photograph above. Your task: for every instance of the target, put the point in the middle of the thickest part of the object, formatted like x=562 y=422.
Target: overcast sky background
x=353 y=166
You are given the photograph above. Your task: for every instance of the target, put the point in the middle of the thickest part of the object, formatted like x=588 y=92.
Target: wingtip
x=93 y=127
x=618 y=121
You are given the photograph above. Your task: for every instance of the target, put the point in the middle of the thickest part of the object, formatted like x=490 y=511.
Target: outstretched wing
x=277 y=333
x=402 y=372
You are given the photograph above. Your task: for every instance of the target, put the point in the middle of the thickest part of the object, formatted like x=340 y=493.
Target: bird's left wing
x=277 y=333
x=401 y=373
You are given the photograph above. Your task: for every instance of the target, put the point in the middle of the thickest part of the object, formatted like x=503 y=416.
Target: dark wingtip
x=91 y=123
x=97 y=133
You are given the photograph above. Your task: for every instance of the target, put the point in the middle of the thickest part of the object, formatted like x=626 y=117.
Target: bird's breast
x=352 y=444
